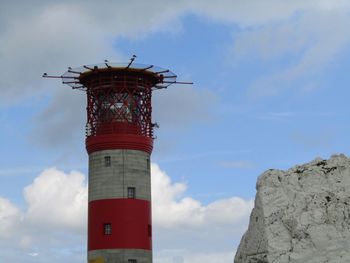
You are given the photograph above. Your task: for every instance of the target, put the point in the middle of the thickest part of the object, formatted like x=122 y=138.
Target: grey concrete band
x=111 y=178
x=119 y=256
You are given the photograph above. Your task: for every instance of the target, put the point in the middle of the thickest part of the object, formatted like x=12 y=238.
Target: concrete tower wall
x=128 y=168
x=111 y=173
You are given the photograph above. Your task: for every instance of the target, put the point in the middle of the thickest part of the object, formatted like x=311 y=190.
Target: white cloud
x=255 y=13
x=50 y=36
x=186 y=257
x=57 y=200
x=169 y=209
x=189 y=231
x=49 y=39
x=52 y=226
x=9 y=218
x=302 y=46
x=209 y=257
x=172 y=209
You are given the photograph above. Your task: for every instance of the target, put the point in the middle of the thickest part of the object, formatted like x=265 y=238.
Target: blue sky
x=271 y=91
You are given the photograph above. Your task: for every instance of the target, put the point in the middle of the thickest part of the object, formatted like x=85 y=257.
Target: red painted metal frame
x=130 y=220
x=119 y=102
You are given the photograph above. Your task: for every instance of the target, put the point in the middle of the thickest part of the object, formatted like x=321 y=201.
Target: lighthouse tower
x=119 y=141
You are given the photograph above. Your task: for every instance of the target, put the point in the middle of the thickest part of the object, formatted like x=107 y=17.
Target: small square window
x=107 y=228
x=149 y=230
x=107 y=161
x=132 y=261
x=131 y=192
x=148 y=164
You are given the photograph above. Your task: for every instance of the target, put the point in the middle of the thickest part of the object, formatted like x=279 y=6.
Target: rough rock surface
x=301 y=215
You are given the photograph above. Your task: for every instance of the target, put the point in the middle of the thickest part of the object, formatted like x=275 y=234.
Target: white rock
x=301 y=215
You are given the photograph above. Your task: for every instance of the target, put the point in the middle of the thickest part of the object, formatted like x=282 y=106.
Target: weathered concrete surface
x=120 y=255
x=129 y=168
x=301 y=215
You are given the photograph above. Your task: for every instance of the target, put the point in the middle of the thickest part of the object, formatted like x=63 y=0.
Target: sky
x=271 y=90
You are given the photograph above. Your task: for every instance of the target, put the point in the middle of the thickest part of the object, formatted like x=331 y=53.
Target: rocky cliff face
x=301 y=215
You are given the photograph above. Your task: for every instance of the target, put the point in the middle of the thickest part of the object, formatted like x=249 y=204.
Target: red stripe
x=130 y=220
x=119 y=141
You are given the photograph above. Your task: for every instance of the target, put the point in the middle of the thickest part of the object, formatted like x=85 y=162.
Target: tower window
x=107 y=161
x=107 y=229
x=132 y=261
x=149 y=230
x=131 y=192
x=148 y=164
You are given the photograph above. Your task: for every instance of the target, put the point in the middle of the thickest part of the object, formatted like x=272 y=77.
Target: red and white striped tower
x=119 y=141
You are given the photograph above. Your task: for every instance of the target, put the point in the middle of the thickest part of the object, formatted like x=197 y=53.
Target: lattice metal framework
x=119 y=102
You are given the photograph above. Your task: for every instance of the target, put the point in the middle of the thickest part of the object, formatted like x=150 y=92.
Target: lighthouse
x=119 y=142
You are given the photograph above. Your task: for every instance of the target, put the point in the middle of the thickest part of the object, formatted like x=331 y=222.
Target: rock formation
x=301 y=215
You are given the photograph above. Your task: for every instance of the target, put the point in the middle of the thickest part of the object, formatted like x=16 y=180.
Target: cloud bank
x=50 y=36
x=56 y=212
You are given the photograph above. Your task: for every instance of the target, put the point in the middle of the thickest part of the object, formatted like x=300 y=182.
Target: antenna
x=131 y=61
